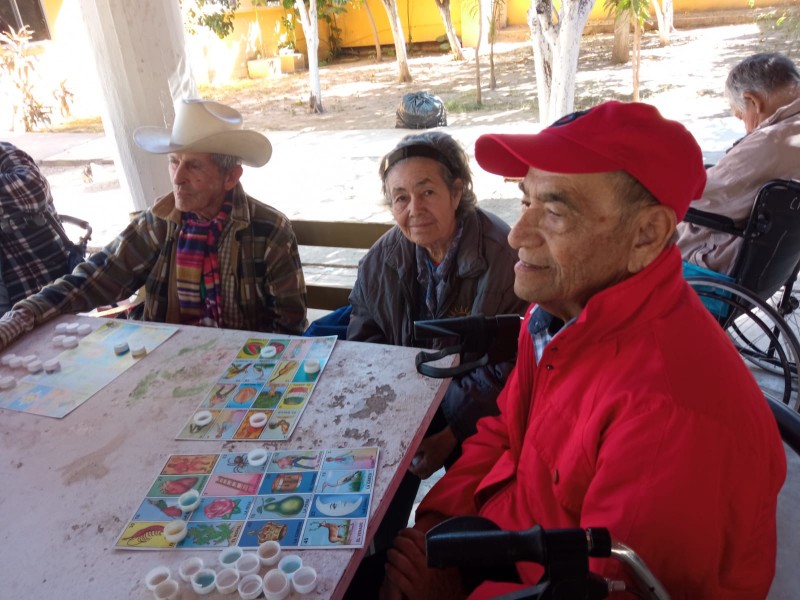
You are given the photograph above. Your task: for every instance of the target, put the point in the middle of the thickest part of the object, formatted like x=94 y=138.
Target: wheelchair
x=757 y=309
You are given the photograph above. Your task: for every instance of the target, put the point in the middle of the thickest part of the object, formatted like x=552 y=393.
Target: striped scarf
x=434 y=278
x=197 y=268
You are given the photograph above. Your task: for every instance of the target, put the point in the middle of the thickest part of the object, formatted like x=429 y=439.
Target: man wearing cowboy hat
x=628 y=407
x=207 y=253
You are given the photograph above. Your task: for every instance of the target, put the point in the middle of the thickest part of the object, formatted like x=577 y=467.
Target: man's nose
x=525 y=232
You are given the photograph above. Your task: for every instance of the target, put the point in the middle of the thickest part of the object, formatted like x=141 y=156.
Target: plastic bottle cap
x=6 y=358
x=34 y=366
x=155 y=576
x=15 y=362
x=58 y=340
x=268 y=352
x=227 y=580
x=167 y=590
x=276 y=585
x=311 y=366
x=7 y=382
x=202 y=418
x=175 y=531
x=61 y=328
x=269 y=552
x=70 y=341
x=72 y=328
x=249 y=563
x=138 y=351
x=203 y=582
x=250 y=586
x=258 y=419
x=84 y=329
x=189 y=567
x=28 y=358
x=52 y=366
x=304 y=580
x=188 y=501
x=257 y=457
x=121 y=348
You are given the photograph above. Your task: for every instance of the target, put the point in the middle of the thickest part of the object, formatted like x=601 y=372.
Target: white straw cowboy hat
x=206 y=126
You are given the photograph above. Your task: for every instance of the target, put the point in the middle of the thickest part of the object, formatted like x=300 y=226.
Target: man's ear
x=232 y=178
x=654 y=226
x=757 y=99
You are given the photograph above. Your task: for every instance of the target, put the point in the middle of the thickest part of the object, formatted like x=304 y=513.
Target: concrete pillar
x=138 y=48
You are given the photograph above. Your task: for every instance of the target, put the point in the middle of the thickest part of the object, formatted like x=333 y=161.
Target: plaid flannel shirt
x=31 y=251
x=263 y=288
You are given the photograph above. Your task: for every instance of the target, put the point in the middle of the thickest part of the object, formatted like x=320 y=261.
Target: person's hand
x=13 y=325
x=408 y=575
x=432 y=453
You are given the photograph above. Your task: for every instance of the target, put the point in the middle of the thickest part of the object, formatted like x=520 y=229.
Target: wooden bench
x=330 y=275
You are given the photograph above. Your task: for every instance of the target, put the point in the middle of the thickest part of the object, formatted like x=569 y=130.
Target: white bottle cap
x=138 y=351
x=84 y=329
x=34 y=366
x=6 y=358
x=268 y=352
x=58 y=340
x=121 y=348
x=61 y=328
x=202 y=418
x=15 y=362
x=72 y=328
x=257 y=457
x=311 y=366
x=258 y=419
x=28 y=358
x=155 y=576
x=70 y=341
x=52 y=366
x=7 y=382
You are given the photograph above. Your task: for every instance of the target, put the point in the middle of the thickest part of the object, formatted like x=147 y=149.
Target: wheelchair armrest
x=712 y=221
x=78 y=223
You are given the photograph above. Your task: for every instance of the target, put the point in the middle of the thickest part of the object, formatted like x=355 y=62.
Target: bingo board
x=84 y=370
x=299 y=498
x=263 y=392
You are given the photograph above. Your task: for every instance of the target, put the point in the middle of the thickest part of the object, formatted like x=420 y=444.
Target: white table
x=69 y=485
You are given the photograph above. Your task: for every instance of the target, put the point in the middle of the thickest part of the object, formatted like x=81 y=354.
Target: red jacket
x=641 y=417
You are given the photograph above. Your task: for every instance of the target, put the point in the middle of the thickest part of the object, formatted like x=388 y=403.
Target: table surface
x=70 y=485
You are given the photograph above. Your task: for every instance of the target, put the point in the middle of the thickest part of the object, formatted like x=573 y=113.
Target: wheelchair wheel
x=786 y=305
x=759 y=333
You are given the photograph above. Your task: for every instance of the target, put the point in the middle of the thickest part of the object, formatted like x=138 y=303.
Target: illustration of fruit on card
x=262 y=392
x=299 y=498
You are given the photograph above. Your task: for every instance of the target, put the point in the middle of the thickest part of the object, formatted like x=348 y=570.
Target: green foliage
x=216 y=15
x=782 y=22
x=640 y=9
x=18 y=67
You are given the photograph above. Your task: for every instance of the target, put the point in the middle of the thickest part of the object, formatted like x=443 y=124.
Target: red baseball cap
x=613 y=136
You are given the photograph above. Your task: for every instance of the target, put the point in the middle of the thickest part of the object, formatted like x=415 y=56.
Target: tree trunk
x=378 y=53
x=669 y=23
x=478 y=96
x=404 y=75
x=308 y=19
x=637 y=53
x=452 y=38
x=663 y=28
x=556 y=44
x=495 y=13
x=621 y=51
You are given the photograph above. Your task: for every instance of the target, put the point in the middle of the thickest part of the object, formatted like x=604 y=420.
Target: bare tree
x=308 y=19
x=497 y=6
x=556 y=38
x=621 y=51
x=378 y=53
x=664 y=19
x=452 y=38
x=404 y=75
x=478 y=99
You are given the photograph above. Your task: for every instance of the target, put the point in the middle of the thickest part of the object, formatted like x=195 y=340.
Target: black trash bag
x=421 y=110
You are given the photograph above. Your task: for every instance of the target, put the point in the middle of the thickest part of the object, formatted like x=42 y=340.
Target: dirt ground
x=358 y=93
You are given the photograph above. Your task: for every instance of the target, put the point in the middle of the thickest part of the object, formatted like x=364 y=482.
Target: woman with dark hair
x=445 y=258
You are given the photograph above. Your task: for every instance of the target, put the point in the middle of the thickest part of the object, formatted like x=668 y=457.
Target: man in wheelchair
x=764 y=92
x=628 y=407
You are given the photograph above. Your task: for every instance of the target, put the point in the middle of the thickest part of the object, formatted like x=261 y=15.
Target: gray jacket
x=770 y=151
x=386 y=301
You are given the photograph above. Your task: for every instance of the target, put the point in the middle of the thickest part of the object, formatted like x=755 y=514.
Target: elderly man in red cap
x=207 y=254
x=628 y=407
